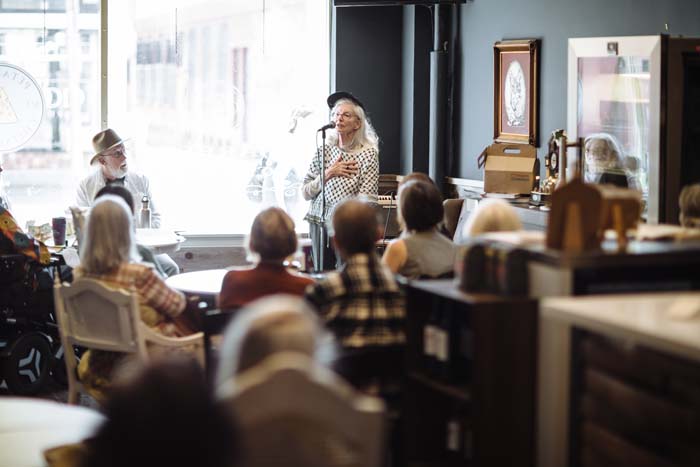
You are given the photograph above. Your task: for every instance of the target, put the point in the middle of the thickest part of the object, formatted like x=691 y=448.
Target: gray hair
x=365 y=135
x=109 y=238
x=279 y=323
x=272 y=235
x=493 y=215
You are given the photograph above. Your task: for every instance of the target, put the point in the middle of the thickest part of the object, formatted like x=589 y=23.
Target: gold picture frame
x=516 y=91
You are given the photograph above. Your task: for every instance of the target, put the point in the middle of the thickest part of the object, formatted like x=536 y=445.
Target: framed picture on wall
x=516 y=93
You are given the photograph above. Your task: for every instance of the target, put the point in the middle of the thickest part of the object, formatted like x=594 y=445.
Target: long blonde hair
x=109 y=238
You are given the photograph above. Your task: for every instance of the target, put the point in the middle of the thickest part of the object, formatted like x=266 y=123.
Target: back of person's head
x=108 y=238
x=272 y=235
x=420 y=205
x=355 y=227
x=423 y=177
x=277 y=323
x=689 y=203
x=163 y=415
x=118 y=190
x=493 y=215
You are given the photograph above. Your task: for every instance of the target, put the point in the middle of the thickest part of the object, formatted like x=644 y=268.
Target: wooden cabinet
x=469 y=397
x=644 y=266
x=619 y=382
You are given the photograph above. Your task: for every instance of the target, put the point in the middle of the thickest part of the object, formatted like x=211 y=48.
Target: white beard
x=115 y=173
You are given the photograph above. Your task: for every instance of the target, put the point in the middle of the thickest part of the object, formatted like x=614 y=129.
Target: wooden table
x=30 y=426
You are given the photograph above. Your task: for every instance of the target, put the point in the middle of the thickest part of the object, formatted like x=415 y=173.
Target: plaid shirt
x=156 y=302
x=151 y=289
x=362 y=303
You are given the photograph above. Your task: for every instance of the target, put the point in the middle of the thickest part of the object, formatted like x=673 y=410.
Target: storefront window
x=40 y=178
x=221 y=100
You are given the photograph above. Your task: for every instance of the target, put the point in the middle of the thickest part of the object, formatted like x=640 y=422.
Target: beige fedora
x=104 y=140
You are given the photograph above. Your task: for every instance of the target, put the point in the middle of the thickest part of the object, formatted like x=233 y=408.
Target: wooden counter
x=619 y=381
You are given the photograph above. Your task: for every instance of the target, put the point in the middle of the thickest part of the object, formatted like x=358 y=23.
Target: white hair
x=109 y=237
x=492 y=215
x=365 y=135
x=615 y=151
x=278 y=323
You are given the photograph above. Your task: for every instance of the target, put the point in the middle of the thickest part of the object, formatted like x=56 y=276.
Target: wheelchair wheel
x=27 y=365
x=58 y=365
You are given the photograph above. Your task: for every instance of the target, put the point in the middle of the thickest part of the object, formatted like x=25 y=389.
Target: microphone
x=328 y=126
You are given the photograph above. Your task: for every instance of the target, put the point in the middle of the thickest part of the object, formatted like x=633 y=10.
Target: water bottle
x=145 y=218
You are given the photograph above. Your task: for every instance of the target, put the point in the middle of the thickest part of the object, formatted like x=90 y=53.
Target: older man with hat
x=110 y=157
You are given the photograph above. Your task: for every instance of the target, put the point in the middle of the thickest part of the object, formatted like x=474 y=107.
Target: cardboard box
x=509 y=168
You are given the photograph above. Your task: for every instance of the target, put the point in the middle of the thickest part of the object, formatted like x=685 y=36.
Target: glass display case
x=626 y=98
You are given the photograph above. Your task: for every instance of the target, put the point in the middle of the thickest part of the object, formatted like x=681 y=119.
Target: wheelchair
x=30 y=344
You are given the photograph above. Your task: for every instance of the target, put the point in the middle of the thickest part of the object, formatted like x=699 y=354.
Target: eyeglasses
x=345 y=115
x=116 y=152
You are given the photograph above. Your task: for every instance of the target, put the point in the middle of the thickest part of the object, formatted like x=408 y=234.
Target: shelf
x=461 y=393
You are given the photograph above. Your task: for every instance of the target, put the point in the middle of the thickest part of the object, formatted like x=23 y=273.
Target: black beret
x=336 y=96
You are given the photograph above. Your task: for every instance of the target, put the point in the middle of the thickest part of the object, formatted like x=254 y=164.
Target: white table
x=159 y=240
x=30 y=426
x=203 y=283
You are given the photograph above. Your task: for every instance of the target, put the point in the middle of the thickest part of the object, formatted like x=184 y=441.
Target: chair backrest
x=93 y=315
x=452 y=209
x=294 y=412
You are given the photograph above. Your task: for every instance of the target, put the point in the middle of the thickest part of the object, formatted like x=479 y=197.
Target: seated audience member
x=492 y=215
x=421 y=250
x=107 y=255
x=277 y=323
x=110 y=158
x=689 y=203
x=163 y=415
x=420 y=176
x=272 y=239
x=144 y=252
x=33 y=276
x=361 y=303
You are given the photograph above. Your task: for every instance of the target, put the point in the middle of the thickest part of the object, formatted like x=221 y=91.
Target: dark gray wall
x=484 y=22
x=415 y=94
x=368 y=64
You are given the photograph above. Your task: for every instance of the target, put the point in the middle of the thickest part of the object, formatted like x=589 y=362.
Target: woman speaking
x=351 y=160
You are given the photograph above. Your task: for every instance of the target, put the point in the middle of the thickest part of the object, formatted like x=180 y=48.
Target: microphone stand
x=322 y=239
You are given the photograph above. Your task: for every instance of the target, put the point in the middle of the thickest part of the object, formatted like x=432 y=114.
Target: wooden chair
x=294 y=412
x=214 y=322
x=91 y=314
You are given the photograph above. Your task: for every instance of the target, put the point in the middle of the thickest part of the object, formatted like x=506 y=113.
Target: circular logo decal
x=21 y=107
